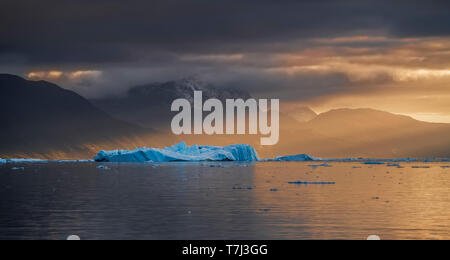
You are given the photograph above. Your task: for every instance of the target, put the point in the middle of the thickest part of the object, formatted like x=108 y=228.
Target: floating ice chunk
x=312 y=182
x=320 y=165
x=25 y=160
x=296 y=158
x=420 y=167
x=2 y=161
x=74 y=161
x=374 y=163
x=182 y=152
x=18 y=168
x=103 y=167
x=393 y=165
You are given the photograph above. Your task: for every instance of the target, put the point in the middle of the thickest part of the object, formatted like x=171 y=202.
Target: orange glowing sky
x=408 y=76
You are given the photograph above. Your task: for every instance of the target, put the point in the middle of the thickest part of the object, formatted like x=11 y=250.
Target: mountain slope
x=367 y=133
x=39 y=117
x=298 y=112
x=150 y=105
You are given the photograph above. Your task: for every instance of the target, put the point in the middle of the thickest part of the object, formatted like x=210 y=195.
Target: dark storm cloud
x=110 y=45
x=103 y=31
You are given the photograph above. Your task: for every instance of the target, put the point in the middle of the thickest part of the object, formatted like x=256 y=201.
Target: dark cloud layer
x=107 y=31
x=292 y=49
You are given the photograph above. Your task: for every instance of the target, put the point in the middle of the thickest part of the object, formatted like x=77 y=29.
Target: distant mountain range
x=42 y=120
x=150 y=105
x=344 y=133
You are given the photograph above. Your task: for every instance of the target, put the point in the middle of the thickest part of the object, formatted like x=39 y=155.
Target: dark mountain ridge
x=39 y=116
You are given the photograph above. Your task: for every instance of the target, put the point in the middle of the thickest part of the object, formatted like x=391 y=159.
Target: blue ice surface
x=182 y=153
x=5 y=161
x=296 y=158
x=374 y=163
x=312 y=182
x=393 y=165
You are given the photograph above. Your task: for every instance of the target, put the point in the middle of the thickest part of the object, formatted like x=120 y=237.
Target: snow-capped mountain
x=149 y=105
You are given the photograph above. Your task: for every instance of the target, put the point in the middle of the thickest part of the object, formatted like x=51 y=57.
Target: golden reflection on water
x=392 y=202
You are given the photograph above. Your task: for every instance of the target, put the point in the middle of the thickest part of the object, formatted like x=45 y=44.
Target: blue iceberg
x=374 y=163
x=182 y=153
x=296 y=158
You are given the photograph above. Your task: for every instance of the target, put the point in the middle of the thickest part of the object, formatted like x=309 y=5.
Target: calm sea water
x=234 y=201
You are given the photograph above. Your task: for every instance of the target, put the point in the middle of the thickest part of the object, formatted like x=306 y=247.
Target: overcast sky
x=389 y=55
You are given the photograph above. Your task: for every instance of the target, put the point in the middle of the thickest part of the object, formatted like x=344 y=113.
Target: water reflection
x=223 y=201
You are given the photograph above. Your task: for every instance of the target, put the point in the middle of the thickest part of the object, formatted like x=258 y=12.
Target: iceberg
x=374 y=163
x=320 y=165
x=3 y=161
x=182 y=153
x=296 y=158
x=311 y=182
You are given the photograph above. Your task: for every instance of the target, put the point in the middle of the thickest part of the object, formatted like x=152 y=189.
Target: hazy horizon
x=430 y=118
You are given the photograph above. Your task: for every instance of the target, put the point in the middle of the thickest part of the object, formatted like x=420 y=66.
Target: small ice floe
x=374 y=163
x=357 y=167
x=273 y=190
x=312 y=182
x=393 y=165
x=296 y=158
x=215 y=165
x=242 y=188
x=103 y=167
x=320 y=165
x=72 y=161
x=420 y=167
x=18 y=169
